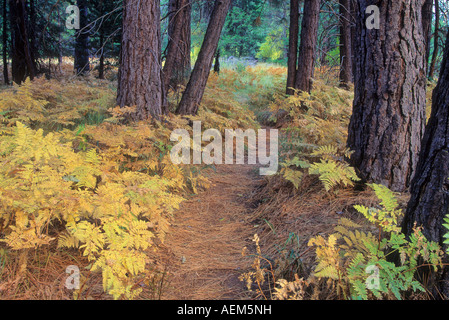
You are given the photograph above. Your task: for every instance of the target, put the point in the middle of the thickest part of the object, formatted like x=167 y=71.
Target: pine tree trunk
x=101 y=65
x=198 y=79
x=292 y=54
x=307 y=47
x=345 y=43
x=435 y=41
x=429 y=202
x=139 y=80
x=427 y=14
x=5 y=45
x=82 y=65
x=22 y=64
x=177 y=64
x=102 y=44
x=388 y=118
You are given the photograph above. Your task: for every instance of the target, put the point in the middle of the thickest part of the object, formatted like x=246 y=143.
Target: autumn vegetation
x=356 y=211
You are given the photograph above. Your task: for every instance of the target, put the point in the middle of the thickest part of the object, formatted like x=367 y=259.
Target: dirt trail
x=208 y=235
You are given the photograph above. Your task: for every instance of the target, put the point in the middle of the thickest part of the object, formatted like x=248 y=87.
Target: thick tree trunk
x=139 y=80
x=345 y=43
x=307 y=48
x=435 y=40
x=5 y=44
x=388 y=118
x=22 y=65
x=82 y=65
x=198 y=79
x=429 y=202
x=292 y=55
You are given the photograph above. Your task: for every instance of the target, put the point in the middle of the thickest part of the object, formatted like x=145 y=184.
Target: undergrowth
x=75 y=178
x=364 y=255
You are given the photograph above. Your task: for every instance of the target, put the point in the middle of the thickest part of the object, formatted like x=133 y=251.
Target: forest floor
x=206 y=241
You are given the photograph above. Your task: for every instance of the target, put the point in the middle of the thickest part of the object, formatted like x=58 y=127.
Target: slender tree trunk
x=139 y=80
x=59 y=43
x=198 y=79
x=429 y=201
x=345 y=43
x=5 y=44
x=353 y=4
x=435 y=41
x=427 y=14
x=101 y=66
x=101 y=31
x=388 y=118
x=307 y=47
x=292 y=55
x=22 y=64
x=82 y=65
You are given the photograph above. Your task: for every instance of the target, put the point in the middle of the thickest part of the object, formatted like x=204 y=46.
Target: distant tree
x=307 y=47
x=429 y=201
x=345 y=43
x=436 y=38
x=292 y=55
x=23 y=64
x=388 y=117
x=177 y=63
x=194 y=91
x=82 y=46
x=242 y=34
x=139 y=79
x=106 y=33
x=5 y=42
x=427 y=15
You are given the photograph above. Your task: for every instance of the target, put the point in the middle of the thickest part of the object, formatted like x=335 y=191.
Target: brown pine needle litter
x=205 y=243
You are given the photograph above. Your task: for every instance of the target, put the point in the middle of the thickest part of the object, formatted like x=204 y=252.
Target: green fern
x=345 y=257
x=332 y=173
x=385 y=218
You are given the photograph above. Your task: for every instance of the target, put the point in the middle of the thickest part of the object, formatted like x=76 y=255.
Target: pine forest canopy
x=255 y=29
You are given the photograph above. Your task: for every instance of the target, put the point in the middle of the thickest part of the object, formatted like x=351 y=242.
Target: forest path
x=208 y=235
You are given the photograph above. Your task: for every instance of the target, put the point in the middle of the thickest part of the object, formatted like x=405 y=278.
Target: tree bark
x=139 y=79
x=5 y=44
x=435 y=41
x=345 y=44
x=388 y=118
x=429 y=201
x=427 y=14
x=198 y=79
x=22 y=64
x=307 y=47
x=177 y=64
x=82 y=65
x=293 y=40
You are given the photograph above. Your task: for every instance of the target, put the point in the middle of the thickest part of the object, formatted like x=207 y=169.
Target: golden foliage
x=68 y=160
